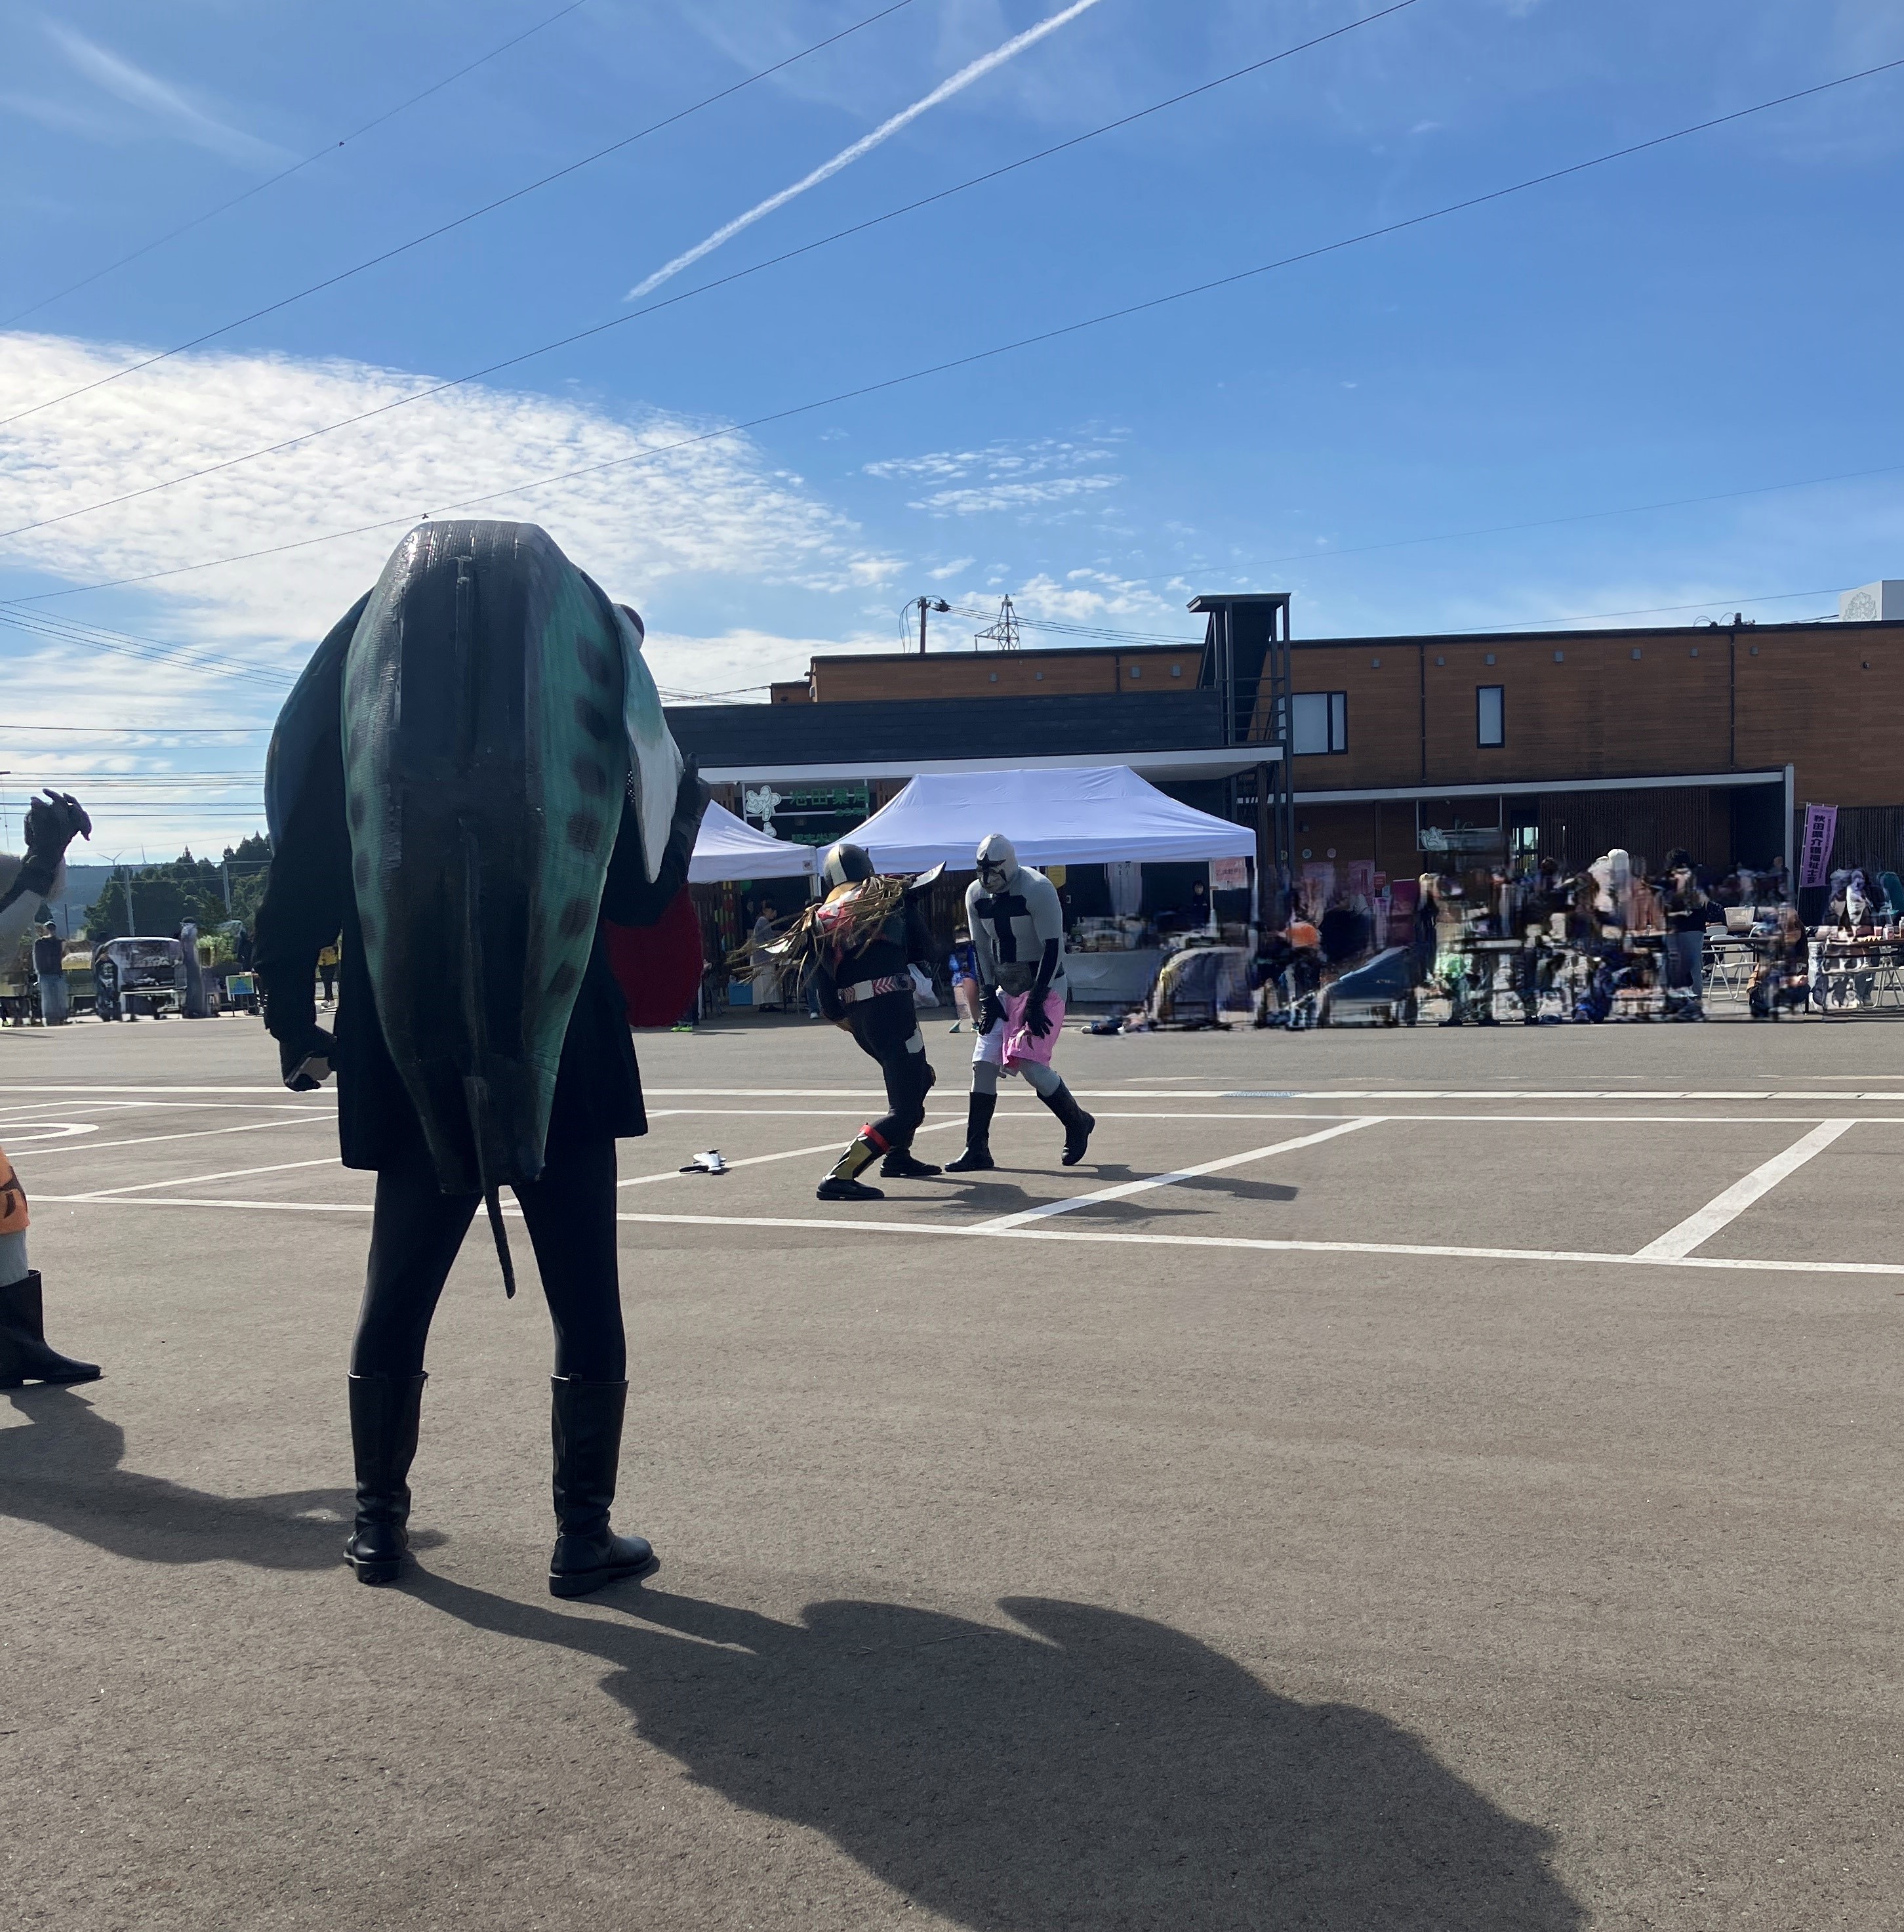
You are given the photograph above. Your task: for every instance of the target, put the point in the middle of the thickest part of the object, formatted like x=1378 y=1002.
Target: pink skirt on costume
x=1021 y=1043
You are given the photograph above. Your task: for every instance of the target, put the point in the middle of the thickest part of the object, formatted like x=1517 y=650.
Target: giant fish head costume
x=496 y=712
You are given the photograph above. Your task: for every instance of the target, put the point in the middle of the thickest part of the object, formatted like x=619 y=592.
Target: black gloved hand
x=306 y=1064
x=1037 y=1022
x=991 y=1008
x=690 y=800
x=53 y=822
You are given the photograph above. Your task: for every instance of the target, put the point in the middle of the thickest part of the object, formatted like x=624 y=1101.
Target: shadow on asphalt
x=63 y=1471
x=1004 y=1197
x=1088 y=1768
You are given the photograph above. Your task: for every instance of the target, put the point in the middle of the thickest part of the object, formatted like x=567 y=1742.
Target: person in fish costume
x=473 y=783
x=1017 y=923
x=860 y=943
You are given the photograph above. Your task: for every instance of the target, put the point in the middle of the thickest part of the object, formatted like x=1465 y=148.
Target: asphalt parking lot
x=1419 y=1479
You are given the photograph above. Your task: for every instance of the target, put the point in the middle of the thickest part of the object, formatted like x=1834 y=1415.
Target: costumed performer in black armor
x=52 y=824
x=861 y=943
x=1016 y=922
x=472 y=778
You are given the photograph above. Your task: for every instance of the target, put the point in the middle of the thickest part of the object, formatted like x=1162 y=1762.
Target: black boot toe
x=581 y=1564
x=375 y=1551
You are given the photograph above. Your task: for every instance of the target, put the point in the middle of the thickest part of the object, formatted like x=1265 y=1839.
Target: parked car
x=130 y=975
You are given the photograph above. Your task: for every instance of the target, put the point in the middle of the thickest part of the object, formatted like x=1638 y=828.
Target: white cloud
x=162 y=103
x=713 y=508
x=1002 y=476
x=649 y=532
x=739 y=664
x=951 y=569
x=977 y=500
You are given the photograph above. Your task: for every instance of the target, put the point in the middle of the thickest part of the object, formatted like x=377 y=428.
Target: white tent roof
x=729 y=848
x=1089 y=815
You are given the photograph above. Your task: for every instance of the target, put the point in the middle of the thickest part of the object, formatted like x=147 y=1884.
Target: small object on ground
x=708 y=1161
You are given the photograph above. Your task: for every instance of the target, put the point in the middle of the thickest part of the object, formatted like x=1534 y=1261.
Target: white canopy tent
x=729 y=848
x=1086 y=815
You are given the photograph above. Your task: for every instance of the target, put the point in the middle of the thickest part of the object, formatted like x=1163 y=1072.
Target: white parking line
x=194 y=1180
x=1005 y=1223
x=1697 y=1228
x=824 y=1224
x=196 y=1134
x=36 y=1087
x=48 y=1130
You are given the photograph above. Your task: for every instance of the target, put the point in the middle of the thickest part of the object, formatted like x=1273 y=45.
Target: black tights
x=418 y=1229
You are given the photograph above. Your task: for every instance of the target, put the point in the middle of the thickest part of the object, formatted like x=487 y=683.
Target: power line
x=1647 y=611
x=285 y=174
x=423 y=394
x=460 y=221
x=144 y=650
x=654 y=454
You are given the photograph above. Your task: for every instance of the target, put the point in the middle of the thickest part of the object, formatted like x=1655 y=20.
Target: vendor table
x=1112 y=979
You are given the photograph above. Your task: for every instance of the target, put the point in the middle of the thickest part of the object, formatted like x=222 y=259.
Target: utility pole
x=923 y=604
x=1005 y=632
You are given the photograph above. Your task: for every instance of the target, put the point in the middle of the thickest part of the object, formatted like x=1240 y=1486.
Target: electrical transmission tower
x=1005 y=632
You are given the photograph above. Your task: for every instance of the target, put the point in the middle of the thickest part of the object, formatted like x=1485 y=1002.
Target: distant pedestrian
x=50 y=974
x=327 y=971
x=1687 y=910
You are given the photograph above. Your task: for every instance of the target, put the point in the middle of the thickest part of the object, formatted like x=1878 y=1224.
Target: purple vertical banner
x=1821 y=829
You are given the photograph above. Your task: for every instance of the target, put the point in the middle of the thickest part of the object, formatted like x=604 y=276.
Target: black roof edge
x=1591 y=631
x=1105 y=644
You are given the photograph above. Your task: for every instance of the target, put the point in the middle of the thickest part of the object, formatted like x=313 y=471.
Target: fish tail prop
x=493 y=1200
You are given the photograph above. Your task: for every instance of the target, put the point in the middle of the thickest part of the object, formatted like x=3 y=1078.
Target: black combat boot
x=1078 y=1123
x=385 y=1412
x=24 y=1355
x=586 y=1424
x=902 y=1164
x=977 y=1157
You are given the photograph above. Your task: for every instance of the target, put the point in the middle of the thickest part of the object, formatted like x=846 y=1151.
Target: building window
x=1490 y=714
x=1318 y=722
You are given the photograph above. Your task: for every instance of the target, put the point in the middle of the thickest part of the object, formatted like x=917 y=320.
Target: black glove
x=992 y=1010
x=53 y=822
x=689 y=803
x=306 y=1064
x=1037 y=1022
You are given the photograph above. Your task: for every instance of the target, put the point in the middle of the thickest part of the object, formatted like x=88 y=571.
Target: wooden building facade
x=1404 y=751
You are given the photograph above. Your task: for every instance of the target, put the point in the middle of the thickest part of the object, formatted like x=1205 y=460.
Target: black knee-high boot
x=24 y=1355
x=977 y=1157
x=386 y=1411
x=586 y=1419
x=1078 y=1123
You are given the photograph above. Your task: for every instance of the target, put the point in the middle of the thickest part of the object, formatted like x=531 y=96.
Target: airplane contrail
x=957 y=84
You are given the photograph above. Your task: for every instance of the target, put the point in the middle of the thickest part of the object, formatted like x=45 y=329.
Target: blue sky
x=1710 y=317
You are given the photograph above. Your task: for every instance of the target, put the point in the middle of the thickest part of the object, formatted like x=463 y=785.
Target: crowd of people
x=1537 y=943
